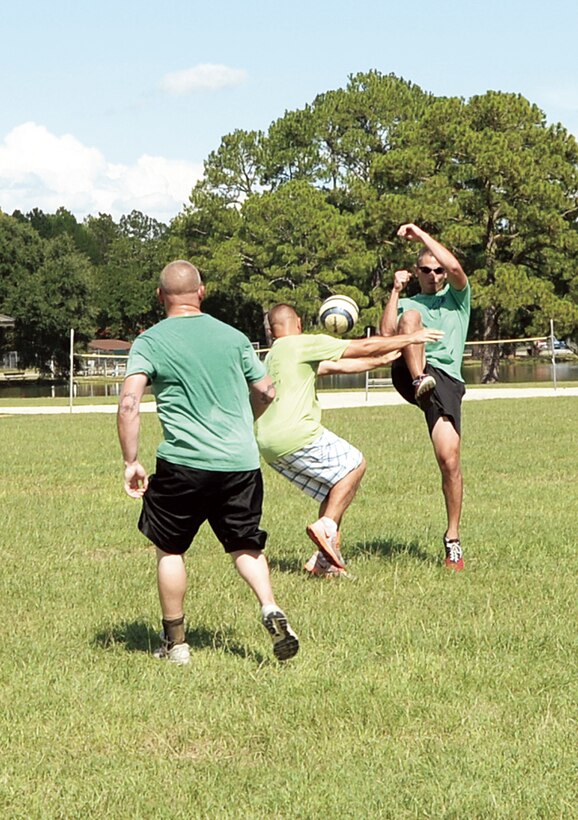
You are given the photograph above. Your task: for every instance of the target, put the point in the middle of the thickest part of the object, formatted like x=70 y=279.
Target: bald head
x=284 y=321
x=180 y=278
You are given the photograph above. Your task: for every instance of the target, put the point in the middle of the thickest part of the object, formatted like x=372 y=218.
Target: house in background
x=9 y=359
x=106 y=357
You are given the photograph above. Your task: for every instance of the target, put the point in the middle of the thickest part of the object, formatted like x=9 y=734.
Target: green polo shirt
x=199 y=369
x=447 y=310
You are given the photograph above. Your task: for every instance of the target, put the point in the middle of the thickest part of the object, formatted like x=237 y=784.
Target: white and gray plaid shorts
x=316 y=468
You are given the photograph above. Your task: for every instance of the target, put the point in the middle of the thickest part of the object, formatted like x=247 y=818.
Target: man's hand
x=136 y=480
x=410 y=231
x=426 y=334
x=387 y=358
x=401 y=279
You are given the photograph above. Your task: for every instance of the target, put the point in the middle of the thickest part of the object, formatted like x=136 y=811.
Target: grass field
x=417 y=692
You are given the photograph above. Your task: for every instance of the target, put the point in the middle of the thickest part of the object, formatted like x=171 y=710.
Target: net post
x=368 y=334
x=71 y=375
x=553 y=350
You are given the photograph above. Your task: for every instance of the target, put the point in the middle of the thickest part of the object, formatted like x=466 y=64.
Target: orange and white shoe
x=454 y=553
x=329 y=546
x=319 y=566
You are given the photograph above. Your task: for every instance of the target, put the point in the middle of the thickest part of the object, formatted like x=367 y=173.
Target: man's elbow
x=387 y=330
x=261 y=400
x=269 y=396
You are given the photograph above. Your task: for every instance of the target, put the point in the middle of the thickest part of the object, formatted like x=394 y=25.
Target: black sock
x=174 y=631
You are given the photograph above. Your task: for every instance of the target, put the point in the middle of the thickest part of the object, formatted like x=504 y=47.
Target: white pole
x=71 y=381
x=552 y=337
x=368 y=334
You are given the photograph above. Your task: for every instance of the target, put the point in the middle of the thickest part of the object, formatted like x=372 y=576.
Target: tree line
x=311 y=207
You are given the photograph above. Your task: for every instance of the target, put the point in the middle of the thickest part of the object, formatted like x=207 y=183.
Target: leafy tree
x=297 y=247
x=235 y=169
x=52 y=298
x=20 y=256
x=316 y=202
x=291 y=150
x=207 y=223
x=102 y=231
x=513 y=201
x=139 y=226
x=126 y=283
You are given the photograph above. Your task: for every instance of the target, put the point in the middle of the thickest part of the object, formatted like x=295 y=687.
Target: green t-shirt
x=294 y=418
x=199 y=369
x=447 y=310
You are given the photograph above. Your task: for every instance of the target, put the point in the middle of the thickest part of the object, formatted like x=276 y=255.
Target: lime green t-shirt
x=293 y=420
x=199 y=369
x=447 y=310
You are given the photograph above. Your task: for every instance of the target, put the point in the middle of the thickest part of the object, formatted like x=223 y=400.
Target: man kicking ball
x=430 y=376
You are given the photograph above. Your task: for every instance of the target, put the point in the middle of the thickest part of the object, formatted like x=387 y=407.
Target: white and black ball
x=338 y=314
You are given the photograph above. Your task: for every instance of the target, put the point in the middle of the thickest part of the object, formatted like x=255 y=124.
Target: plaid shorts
x=316 y=468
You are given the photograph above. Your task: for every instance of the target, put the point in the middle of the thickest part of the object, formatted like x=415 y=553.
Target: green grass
x=416 y=693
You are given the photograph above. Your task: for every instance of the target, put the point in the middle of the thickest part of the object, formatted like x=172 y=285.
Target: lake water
x=510 y=373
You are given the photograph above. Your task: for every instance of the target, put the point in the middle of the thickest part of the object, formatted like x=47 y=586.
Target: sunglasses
x=425 y=269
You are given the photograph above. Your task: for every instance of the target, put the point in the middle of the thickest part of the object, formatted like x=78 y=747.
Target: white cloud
x=204 y=77
x=41 y=170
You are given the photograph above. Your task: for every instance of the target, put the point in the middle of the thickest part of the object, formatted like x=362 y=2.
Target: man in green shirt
x=430 y=375
x=209 y=386
x=290 y=435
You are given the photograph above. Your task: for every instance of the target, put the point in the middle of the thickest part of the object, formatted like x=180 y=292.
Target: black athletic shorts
x=179 y=499
x=444 y=400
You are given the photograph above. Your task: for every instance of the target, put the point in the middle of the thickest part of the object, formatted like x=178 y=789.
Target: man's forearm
x=388 y=324
x=128 y=426
x=128 y=436
x=376 y=346
x=444 y=256
x=348 y=366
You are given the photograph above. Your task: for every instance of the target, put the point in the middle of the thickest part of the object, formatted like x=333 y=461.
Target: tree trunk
x=490 y=353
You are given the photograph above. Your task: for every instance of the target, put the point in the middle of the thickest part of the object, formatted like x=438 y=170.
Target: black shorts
x=179 y=499
x=444 y=400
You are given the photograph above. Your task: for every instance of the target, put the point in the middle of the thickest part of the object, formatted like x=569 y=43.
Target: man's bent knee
x=409 y=321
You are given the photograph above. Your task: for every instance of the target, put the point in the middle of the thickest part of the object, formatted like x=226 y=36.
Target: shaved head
x=180 y=277
x=284 y=321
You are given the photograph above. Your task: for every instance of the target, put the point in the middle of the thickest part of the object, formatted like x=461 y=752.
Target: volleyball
x=338 y=314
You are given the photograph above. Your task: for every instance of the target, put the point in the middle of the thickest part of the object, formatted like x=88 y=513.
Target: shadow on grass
x=140 y=637
x=389 y=548
x=385 y=547
x=286 y=565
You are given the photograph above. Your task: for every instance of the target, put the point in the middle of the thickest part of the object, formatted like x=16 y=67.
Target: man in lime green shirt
x=430 y=375
x=290 y=435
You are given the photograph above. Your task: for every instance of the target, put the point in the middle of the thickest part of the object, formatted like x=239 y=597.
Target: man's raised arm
x=456 y=275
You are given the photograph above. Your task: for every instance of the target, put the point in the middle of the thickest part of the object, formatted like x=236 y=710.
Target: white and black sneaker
x=422 y=387
x=285 y=641
x=178 y=653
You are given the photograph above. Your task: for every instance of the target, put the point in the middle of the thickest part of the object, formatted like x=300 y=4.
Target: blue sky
x=108 y=106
